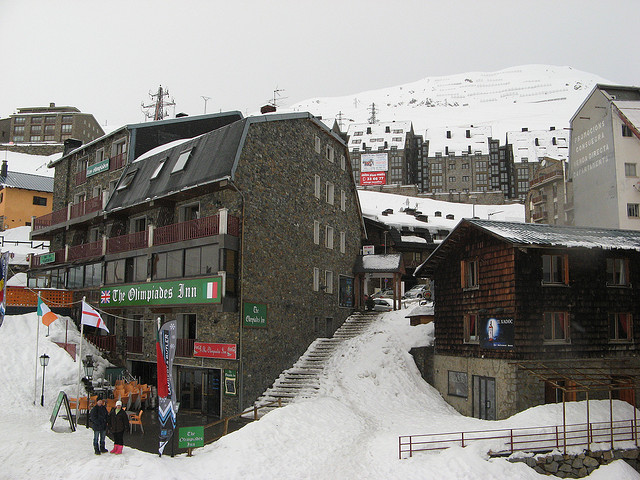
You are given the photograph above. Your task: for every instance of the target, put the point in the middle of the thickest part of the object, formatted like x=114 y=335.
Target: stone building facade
x=260 y=215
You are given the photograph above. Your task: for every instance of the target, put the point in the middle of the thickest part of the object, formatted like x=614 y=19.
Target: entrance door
x=484 y=397
x=190 y=392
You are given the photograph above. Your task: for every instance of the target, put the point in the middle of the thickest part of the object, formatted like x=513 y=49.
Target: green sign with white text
x=99 y=167
x=47 y=258
x=171 y=292
x=255 y=315
x=190 y=437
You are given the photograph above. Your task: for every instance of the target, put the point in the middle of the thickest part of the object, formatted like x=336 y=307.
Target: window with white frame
x=556 y=327
x=328 y=281
x=316 y=232
x=328 y=241
x=620 y=327
x=630 y=170
x=316 y=185
x=317 y=143
x=633 y=210
x=316 y=279
x=555 y=269
x=343 y=162
x=343 y=242
x=343 y=200
x=617 y=272
x=330 y=153
x=330 y=193
x=469 y=273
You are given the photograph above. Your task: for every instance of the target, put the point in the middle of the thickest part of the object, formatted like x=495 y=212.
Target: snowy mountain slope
x=532 y=96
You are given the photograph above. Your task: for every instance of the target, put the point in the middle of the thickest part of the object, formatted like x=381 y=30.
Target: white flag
x=92 y=318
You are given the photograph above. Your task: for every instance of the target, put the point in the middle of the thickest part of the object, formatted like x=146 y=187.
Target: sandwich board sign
x=62 y=400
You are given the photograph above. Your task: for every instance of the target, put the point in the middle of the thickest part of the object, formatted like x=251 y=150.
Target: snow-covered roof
x=25 y=163
x=376 y=135
x=390 y=262
x=630 y=110
x=539 y=235
x=426 y=309
x=436 y=211
x=530 y=146
x=458 y=140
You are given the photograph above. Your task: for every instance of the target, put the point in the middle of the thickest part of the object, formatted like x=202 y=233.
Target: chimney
x=71 y=144
x=52 y=104
x=5 y=169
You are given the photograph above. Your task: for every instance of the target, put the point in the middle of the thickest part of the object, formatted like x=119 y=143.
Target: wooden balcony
x=539 y=216
x=49 y=219
x=126 y=243
x=184 y=347
x=179 y=232
x=117 y=162
x=541 y=179
x=58 y=258
x=539 y=199
x=134 y=344
x=81 y=177
x=86 y=250
x=88 y=206
x=106 y=343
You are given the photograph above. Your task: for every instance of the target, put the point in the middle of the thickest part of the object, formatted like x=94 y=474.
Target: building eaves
x=27 y=181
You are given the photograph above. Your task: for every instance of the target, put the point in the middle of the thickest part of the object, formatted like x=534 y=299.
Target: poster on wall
x=497 y=333
x=374 y=162
x=346 y=292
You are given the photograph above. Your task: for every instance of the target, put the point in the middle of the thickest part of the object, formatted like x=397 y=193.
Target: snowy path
x=371 y=393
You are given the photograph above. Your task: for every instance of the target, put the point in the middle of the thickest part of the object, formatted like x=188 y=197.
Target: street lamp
x=44 y=361
x=88 y=366
x=493 y=213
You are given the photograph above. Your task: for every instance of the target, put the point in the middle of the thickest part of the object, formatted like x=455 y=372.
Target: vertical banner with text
x=166 y=350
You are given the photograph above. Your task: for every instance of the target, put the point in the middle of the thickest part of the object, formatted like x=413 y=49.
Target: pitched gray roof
x=27 y=181
x=537 y=235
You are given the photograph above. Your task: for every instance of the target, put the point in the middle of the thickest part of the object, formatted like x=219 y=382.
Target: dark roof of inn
x=213 y=159
x=536 y=235
x=27 y=181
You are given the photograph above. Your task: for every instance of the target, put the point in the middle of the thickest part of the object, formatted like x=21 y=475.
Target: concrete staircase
x=303 y=379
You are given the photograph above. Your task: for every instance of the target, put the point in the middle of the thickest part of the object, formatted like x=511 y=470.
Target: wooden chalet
x=511 y=294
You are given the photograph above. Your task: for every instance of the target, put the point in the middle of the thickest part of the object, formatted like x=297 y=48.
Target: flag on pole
x=4 y=263
x=48 y=317
x=92 y=318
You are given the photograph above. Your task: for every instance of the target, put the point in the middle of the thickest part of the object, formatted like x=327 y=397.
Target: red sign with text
x=215 y=350
x=373 y=178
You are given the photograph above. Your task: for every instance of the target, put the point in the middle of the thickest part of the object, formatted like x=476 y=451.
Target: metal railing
x=58 y=258
x=88 y=206
x=184 y=347
x=106 y=343
x=210 y=437
x=117 y=161
x=178 y=232
x=531 y=439
x=125 y=243
x=86 y=250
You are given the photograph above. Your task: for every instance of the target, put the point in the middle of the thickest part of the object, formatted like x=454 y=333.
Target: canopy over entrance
x=369 y=267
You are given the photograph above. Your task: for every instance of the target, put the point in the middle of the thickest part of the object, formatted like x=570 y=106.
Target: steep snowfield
x=371 y=393
x=532 y=96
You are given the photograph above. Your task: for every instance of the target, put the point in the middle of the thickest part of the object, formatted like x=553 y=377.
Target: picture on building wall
x=374 y=162
x=346 y=292
x=458 y=384
x=497 y=333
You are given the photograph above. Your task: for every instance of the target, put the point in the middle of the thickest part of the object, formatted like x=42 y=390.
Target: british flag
x=105 y=296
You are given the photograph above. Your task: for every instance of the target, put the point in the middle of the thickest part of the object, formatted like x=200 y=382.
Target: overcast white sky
x=105 y=56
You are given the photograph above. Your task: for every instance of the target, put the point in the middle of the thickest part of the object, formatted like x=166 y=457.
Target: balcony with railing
x=126 y=243
x=134 y=344
x=544 y=178
x=105 y=343
x=81 y=177
x=179 y=232
x=184 y=347
x=84 y=208
x=117 y=161
x=539 y=216
x=86 y=250
x=539 y=199
x=49 y=219
x=51 y=258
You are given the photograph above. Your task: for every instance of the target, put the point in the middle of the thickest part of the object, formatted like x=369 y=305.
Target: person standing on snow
x=118 y=423
x=98 y=419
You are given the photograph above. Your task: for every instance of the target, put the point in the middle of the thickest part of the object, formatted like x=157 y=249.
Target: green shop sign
x=255 y=315
x=99 y=167
x=47 y=258
x=191 y=437
x=198 y=291
x=230 y=377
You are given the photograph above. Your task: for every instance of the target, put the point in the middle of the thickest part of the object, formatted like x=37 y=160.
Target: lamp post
x=88 y=366
x=44 y=361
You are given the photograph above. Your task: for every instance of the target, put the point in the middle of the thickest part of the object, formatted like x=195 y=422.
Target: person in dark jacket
x=98 y=420
x=118 y=423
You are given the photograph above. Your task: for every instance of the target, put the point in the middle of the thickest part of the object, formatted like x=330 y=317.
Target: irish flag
x=91 y=317
x=48 y=317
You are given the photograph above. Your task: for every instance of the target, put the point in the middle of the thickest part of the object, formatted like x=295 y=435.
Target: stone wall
x=578 y=466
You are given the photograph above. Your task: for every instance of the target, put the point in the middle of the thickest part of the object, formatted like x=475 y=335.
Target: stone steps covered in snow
x=302 y=380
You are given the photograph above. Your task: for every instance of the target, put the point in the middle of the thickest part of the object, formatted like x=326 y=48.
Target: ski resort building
x=527 y=314
x=604 y=158
x=244 y=230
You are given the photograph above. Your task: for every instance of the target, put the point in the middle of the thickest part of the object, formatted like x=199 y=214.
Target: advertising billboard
x=497 y=333
x=374 y=162
x=373 y=178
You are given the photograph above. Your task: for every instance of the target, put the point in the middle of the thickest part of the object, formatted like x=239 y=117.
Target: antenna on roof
x=372 y=118
x=340 y=118
x=159 y=105
x=276 y=96
x=205 y=102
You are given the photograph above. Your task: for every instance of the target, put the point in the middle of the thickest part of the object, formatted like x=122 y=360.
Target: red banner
x=373 y=178
x=215 y=350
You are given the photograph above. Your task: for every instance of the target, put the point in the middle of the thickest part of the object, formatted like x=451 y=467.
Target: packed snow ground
x=371 y=393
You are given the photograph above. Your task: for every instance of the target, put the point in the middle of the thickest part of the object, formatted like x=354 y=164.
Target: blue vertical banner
x=4 y=270
x=166 y=351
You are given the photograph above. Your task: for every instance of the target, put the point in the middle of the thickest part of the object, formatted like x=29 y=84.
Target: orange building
x=22 y=196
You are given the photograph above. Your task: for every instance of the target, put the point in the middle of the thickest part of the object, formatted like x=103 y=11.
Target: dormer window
x=182 y=161
x=127 y=180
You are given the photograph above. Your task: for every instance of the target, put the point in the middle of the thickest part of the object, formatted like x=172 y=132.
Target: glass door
x=190 y=393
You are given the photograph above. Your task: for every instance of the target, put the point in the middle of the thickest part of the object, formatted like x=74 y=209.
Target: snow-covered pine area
x=536 y=97
x=371 y=392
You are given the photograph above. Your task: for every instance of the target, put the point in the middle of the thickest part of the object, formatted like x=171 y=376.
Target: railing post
x=511 y=438
x=150 y=239
x=105 y=199
x=223 y=218
x=66 y=252
x=280 y=402
x=104 y=244
x=226 y=426
x=462 y=439
x=255 y=412
x=68 y=211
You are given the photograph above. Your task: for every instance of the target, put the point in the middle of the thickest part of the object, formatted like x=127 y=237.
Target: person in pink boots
x=118 y=423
